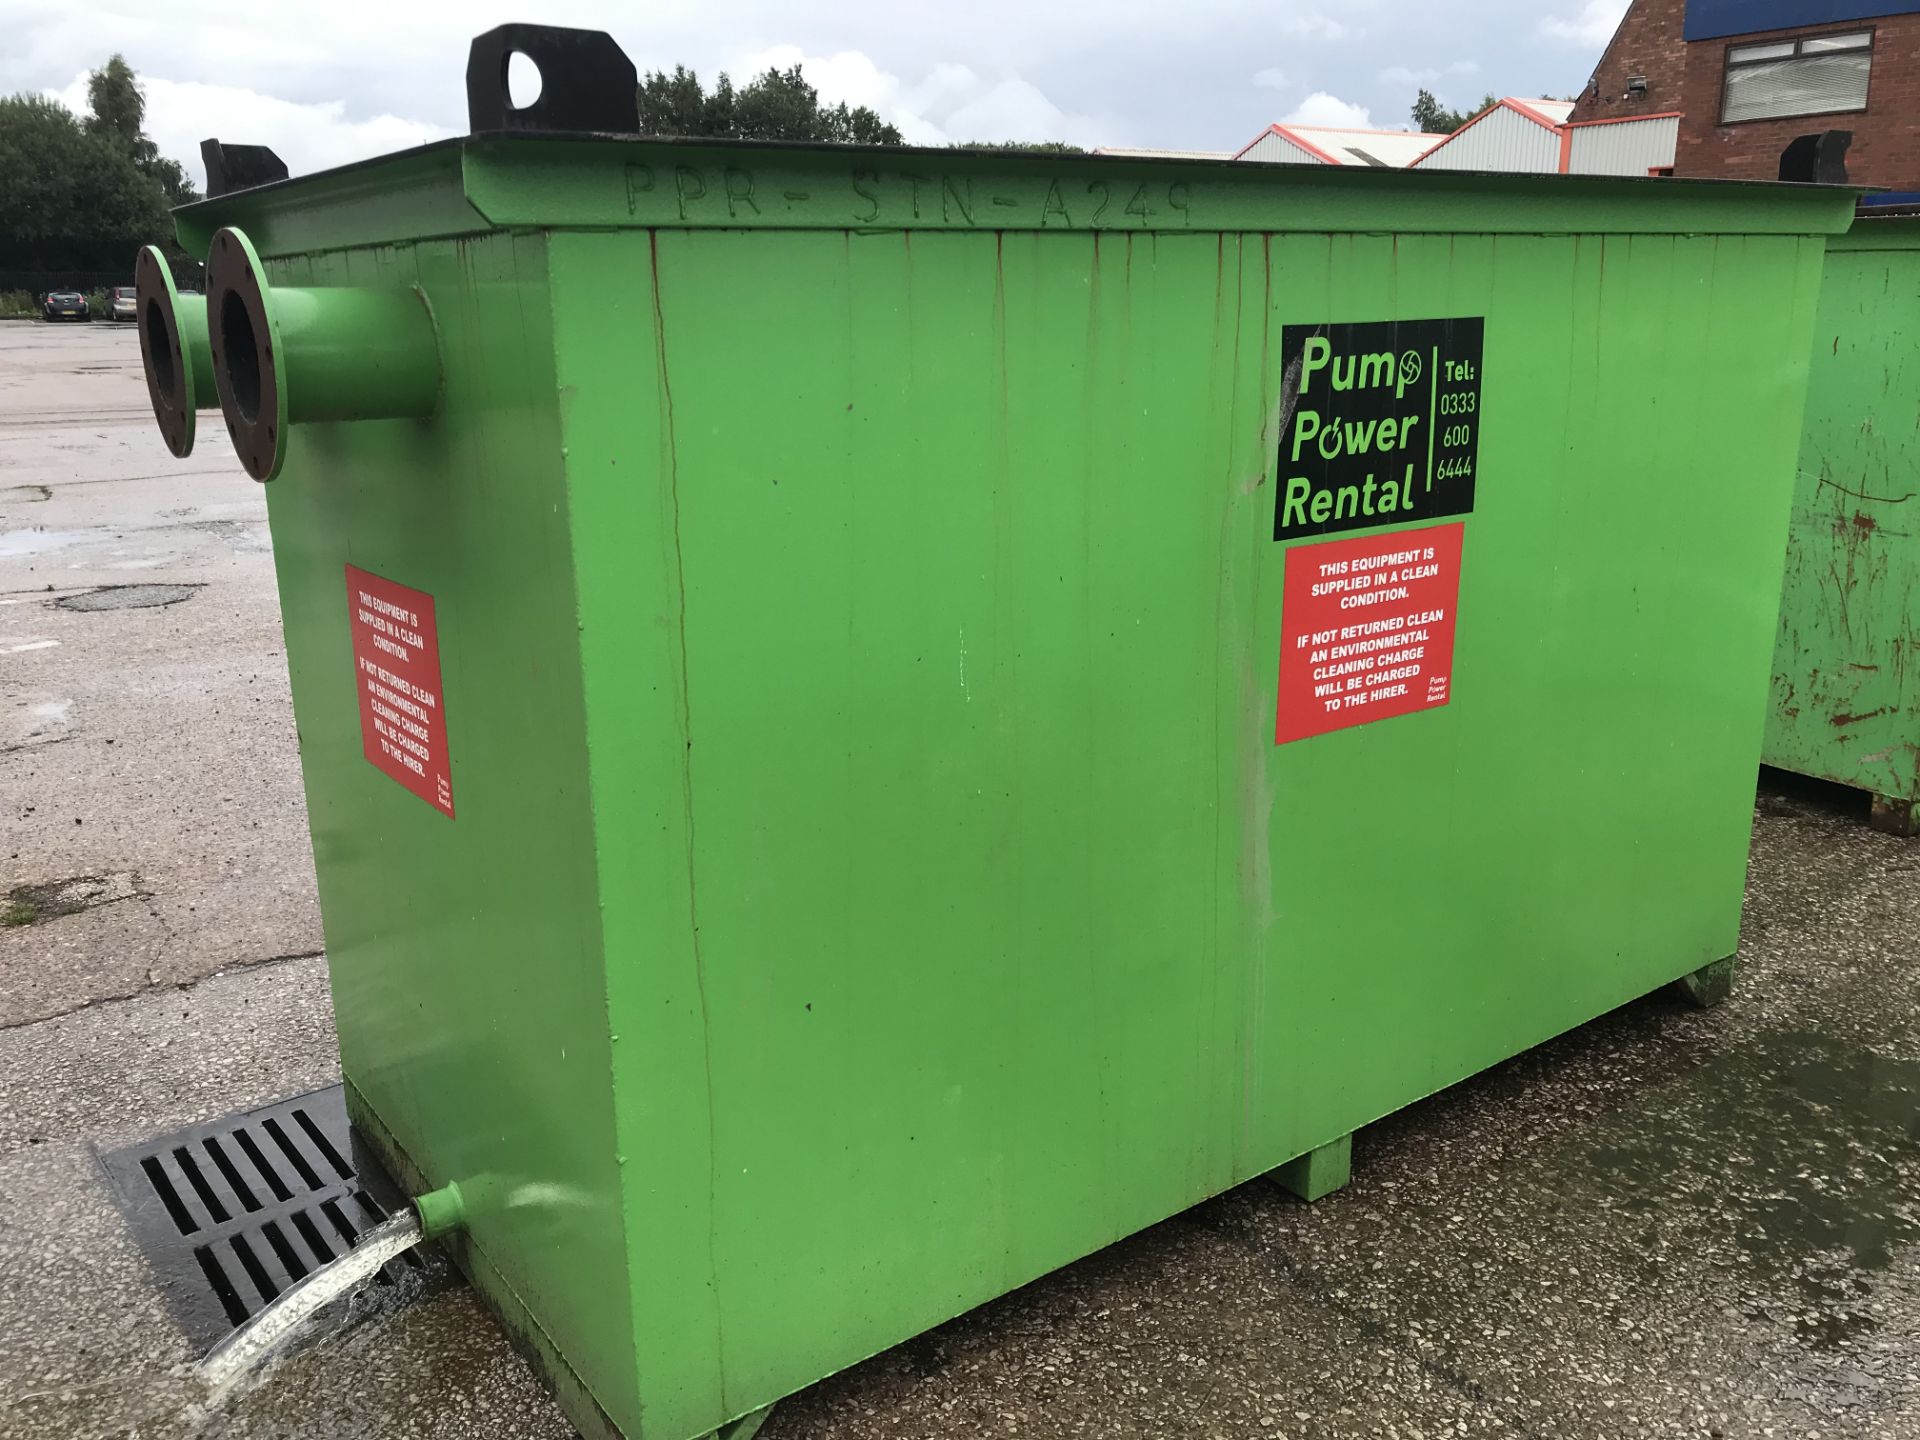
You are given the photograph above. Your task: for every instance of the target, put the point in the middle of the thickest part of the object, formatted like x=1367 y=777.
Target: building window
x=1820 y=75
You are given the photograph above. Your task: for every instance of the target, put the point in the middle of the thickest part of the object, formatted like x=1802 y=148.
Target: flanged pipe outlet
x=441 y=1211
x=173 y=347
x=287 y=355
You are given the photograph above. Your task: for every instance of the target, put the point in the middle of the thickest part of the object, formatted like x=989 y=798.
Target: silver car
x=120 y=304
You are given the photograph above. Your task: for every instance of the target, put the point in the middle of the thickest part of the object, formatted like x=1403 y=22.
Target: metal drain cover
x=127 y=597
x=230 y=1213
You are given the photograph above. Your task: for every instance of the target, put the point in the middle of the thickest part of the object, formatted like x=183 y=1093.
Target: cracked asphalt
x=148 y=744
x=1666 y=1223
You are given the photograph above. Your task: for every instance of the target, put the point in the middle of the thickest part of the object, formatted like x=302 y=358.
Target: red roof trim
x=1521 y=108
x=1353 y=130
x=1628 y=119
x=1255 y=141
x=1455 y=136
x=1291 y=138
x=1293 y=135
x=1270 y=130
x=1304 y=144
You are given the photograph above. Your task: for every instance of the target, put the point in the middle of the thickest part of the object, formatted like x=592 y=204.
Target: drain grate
x=231 y=1213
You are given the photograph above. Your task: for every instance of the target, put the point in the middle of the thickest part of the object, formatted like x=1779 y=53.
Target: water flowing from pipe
x=274 y=1328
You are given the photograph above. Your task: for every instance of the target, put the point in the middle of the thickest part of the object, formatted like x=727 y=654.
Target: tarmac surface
x=1668 y=1223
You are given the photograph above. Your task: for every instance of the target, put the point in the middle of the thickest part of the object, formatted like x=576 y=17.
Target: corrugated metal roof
x=1504 y=138
x=1623 y=147
x=1536 y=137
x=1339 y=145
x=1554 y=111
x=1392 y=149
x=1136 y=152
x=1274 y=146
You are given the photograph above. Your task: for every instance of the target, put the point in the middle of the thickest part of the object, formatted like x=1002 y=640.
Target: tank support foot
x=1709 y=985
x=1318 y=1172
x=1894 y=815
x=745 y=1428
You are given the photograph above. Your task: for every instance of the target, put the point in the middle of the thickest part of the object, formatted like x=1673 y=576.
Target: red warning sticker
x=396 y=661
x=1367 y=629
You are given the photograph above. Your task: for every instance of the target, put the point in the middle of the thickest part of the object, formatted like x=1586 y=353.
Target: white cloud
x=361 y=76
x=1014 y=109
x=949 y=103
x=1321 y=108
x=309 y=137
x=1314 y=26
x=851 y=76
x=1402 y=76
x=1591 y=27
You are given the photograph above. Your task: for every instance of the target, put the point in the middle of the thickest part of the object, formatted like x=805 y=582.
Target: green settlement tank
x=901 y=716
x=1846 y=665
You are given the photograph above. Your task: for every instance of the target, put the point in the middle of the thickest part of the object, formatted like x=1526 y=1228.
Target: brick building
x=1749 y=76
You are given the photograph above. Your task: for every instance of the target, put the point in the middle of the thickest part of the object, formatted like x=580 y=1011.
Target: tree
x=1435 y=119
x=119 y=109
x=675 y=104
x=67 y=201
x=859 y=126
x=778 y=105
x=84 y=193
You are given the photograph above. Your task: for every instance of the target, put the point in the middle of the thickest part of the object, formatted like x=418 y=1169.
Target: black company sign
x=1379 y=424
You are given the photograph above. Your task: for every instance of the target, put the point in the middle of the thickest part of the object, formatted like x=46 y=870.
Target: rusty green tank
x=1846 y=668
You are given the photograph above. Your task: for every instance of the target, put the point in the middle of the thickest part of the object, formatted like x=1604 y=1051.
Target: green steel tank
x=1846 y=666
x=875 y=721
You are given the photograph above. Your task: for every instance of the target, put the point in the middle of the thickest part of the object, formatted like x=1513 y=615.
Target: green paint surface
x=1846 y=667
x=874 y=882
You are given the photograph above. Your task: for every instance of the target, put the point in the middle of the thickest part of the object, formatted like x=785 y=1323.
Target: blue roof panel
x=1712 y=19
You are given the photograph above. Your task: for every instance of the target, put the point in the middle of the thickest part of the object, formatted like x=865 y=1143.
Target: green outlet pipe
x=174 y=350
x=441 y=1211
x=290 y=355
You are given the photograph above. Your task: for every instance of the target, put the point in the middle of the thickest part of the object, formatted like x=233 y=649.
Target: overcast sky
x=325 y=84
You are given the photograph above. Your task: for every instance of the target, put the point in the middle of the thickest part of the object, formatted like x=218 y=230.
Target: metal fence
x=186 y=273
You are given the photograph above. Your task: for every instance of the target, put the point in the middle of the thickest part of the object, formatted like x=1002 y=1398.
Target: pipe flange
x=245 y=340
x=170 y=385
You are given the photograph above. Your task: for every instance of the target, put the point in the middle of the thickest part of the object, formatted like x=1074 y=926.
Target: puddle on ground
x=127 y=597
x=1801 y=1153
x=281 y=1397
x=34 y=718
x=120 y=553
x=16 y=544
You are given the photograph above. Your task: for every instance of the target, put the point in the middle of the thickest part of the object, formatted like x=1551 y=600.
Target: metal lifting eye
x=582 y=81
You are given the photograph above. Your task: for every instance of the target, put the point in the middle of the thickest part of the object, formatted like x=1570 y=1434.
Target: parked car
x=120 y=304
x=65 y=305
